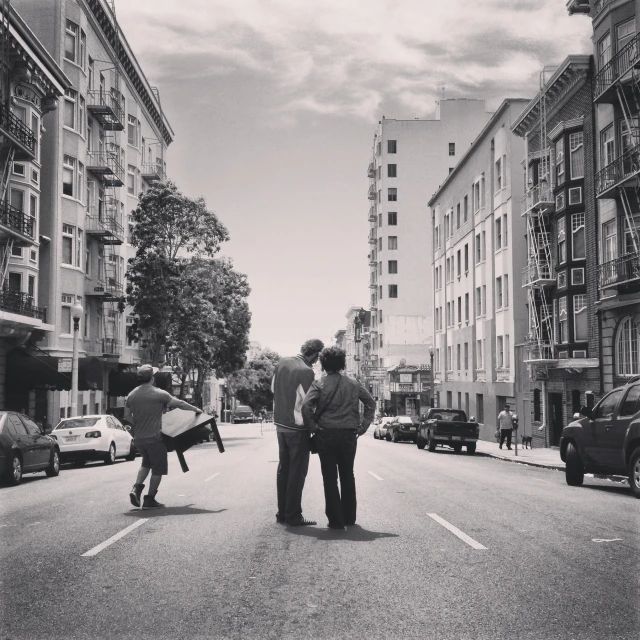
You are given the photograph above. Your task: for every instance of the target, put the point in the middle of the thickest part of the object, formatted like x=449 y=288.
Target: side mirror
x=472 y=419
x=127 y=427
x=585 y=411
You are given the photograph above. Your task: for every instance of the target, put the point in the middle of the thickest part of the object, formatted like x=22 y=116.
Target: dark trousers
x=505 y=433
x=292 y=471
x=337 y=451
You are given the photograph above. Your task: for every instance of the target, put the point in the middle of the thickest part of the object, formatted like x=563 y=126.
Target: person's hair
x=333 y=359
x=145 y=373
x=311 y=347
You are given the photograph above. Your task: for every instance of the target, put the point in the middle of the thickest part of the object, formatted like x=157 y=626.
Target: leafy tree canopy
x=251 y=385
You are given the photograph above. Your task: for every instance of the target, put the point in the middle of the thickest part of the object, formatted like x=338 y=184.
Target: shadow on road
x=184 y=510
x=618 y=488
x=354 y=534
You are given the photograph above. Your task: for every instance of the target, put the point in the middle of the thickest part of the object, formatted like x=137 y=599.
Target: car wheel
x=132 y=453
x=574 y=469
x=457 y=448
x=634 y=472
x=388 y=438
x=471 y=448
x=431 y=444
x=14 y=475
x=375 y=437
x=54 y=464
x=110 y=458
x=420 y=443
x=395 y=437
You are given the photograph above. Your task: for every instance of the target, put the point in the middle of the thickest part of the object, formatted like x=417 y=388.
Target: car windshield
x=405 y=420
x=74 y=423
x=448 y=415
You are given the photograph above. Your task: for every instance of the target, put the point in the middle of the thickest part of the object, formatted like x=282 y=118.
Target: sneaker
x=151 y=503
x=501 y=446
x=135 y=493
x=301 y=523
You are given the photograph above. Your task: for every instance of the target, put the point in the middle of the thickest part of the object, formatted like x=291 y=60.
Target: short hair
x=333 y=359
x=311 y=347
x=145 y=372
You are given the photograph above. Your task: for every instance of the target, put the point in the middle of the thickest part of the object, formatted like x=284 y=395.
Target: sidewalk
x=547 y=458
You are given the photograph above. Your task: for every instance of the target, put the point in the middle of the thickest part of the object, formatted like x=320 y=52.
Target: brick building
x=561 y=274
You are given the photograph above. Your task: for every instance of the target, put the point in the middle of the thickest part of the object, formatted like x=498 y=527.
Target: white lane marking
x=3 y=525
x=33 y=524
x=211 y=477
x=374 y=475
x=456 y=532
x=606 y=540
x=103 y=545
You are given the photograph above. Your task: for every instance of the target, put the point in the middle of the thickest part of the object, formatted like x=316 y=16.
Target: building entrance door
x=412 y=406
x=555 y=417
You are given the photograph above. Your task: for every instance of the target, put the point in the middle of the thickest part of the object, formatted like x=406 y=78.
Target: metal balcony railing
x=111 y=346
x=154 y=172
x=15 y=220
x=621 y=169
x=540 y=195
x=372 y=192
x=21 y=304
x=619 y=271
x=18 y=131
x=106 y=106
x=627 y=58
x=104 y=225
x=539 y=351
x=106 y=165
x=372 y=214
x=537 y=273
x=371 y=171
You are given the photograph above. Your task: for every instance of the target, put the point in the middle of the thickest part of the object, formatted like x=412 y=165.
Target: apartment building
x=339 y=338
x=478 y=254
x=356 y=340
x=31 y=84
x=560 y=276
x=410 y=158
x=104 y=145
x=616 y=101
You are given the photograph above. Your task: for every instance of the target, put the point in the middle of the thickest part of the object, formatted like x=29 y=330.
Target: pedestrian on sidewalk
x=505 y=420
x=291 y=380
x=144 y=407
x=331 y=410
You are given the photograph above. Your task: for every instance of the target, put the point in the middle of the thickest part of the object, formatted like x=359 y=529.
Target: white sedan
x=380 y=432
x=98 y=437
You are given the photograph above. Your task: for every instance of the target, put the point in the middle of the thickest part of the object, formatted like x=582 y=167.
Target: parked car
x=97 y=437
x=606 y=440
x=403 y=428
x=24 y=448
x=448 y=427
x=242 y=413
x=380 y=431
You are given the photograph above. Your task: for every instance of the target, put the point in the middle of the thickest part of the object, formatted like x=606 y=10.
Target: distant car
x=606 y=440
x=380 y=432
x=403 y=428
x=242 y=413
x=24 y=448
x=448 y=427
x=97 y=437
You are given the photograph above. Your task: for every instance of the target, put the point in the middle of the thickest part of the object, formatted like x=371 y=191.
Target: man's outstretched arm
x=176 y=403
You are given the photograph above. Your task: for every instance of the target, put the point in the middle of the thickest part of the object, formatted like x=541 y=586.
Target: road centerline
x=121 y=534
x=456 y=532
x=377 y=477
x=211 y=477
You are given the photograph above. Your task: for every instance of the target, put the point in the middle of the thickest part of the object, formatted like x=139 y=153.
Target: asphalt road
x=532 y=558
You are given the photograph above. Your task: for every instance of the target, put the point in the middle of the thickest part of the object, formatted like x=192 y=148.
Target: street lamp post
x=433 y=389
x=76 y=314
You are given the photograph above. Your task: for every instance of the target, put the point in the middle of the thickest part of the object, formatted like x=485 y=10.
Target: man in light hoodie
x=291 y=381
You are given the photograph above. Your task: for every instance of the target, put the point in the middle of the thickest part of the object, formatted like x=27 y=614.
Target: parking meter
x=514 y=418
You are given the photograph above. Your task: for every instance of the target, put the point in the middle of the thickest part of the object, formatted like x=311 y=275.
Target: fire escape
x=104 y=222
x=538 y=275
x=373 y=231
x=618 y=83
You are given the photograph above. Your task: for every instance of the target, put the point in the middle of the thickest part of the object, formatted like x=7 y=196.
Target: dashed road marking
x=456 y=532
x=606 y=540
x=211 y=477
x=107 y=543
x=377 y=477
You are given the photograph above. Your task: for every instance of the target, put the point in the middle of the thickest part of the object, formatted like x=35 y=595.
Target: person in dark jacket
x=331 y=410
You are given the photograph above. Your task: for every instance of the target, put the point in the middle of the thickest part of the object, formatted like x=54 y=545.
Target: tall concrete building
x=409 y=159
x=31 y=84
x=479 y=251
x=105 y=144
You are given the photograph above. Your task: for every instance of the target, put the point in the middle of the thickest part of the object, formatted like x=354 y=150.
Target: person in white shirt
x=505 y=420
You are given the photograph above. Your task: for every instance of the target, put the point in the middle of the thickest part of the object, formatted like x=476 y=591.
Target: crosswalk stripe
x=456 y=532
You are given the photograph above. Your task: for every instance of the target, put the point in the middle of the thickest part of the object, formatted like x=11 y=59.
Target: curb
x=540 y=465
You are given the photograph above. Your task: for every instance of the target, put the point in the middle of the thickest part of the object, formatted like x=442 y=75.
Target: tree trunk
x=198 y=388
x=183 y=379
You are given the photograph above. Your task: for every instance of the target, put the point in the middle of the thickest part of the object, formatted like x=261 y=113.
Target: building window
x=480 y=408
x=476 y=197
x=466 y=308
x=479 y=354
x=466 y=208
x=71 y=41
x=563 y=322
x=452 y=148
x=459 y=309
x=604 y=50
x=458 y=357
x=392 y=146
x=575 y=195
x=498 y=174
x=624 y=34
x=478 y=302
x=576 y=154
x=466 y=258
x=559 y=160
x=393 y=266
x=379 y=244
x=498 y=225
x=484 y=299
x=131 y=180
x=499 y=292
x=392 y=194
x=562 y=279
x=18 y=169
x=507 y=352
x=627 y=348
x=15 y=282
x=392 y=218
x=66 y=324
x=392 y=171
x=478 y=250
x=392 y=242
x=607 y=146
x=459 y=258
x=68 y=175
x=484 y=245
x=133 y=130
x=580 y=320
x=562 y=240
x=578 y=248
x=71 y=245
x=499 y=352
x=393 y=290
x=560 y=201
x=449 y=363
x=466 y=356
x=505 y=235
x=577 y=277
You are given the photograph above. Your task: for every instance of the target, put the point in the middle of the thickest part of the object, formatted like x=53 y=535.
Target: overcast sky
x=274 y=104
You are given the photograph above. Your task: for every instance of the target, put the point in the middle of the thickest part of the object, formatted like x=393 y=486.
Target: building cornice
x=565 y=125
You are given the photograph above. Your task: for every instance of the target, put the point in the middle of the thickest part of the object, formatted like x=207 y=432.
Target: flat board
x=178 y=421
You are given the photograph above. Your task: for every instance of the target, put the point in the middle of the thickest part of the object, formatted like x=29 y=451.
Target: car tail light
x=92 y=434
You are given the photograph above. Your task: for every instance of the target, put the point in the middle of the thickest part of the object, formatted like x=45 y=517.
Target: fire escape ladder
x=631 y=225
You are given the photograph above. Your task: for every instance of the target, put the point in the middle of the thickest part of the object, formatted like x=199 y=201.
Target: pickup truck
x=606 y=440
x=448 y=427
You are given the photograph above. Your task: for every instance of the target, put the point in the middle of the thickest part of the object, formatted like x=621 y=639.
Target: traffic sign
x=64 y=365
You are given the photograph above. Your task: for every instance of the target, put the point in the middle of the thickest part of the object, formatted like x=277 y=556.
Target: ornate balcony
x=20 y=304
x=153 y=172
x=620 y=271
x=372 y=239
x=22 y=136
x=372 y=214
x=628 y=58
x=371 y=172
x=106 y=165
x=540 y=273
x=106 y=107
x=372 y=195
x=15 y=223
x=538 y=197
x=616 y=174
x=111 y=347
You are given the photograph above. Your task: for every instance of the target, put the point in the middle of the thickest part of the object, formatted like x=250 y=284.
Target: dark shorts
x=154 y=457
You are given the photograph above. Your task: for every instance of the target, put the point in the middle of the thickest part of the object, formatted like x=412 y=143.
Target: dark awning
x=123 y=381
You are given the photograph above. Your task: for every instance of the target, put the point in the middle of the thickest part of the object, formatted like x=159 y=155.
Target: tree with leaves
x=251 y=385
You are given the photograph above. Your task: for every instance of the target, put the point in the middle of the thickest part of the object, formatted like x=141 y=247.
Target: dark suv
x=403 y=428
x=607 y=439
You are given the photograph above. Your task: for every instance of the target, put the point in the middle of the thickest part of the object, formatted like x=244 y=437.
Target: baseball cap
x=145 y=372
